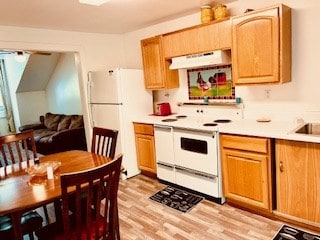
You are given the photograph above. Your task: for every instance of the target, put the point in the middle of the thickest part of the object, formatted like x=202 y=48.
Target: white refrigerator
x=117 y=97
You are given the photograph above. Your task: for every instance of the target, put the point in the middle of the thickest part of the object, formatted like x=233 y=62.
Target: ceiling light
x=20 y=57
x=93 y=2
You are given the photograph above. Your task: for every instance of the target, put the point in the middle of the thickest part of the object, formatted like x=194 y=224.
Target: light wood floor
x=144 y=219
x=141 y=218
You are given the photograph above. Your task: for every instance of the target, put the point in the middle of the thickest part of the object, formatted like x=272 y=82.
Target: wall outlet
x=267 y=93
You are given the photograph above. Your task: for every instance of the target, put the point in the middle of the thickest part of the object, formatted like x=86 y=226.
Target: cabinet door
x=157 y=74
x=255 y=48
x=202 y=38
x=245 y=177
x=153 y=63
x=298 y=181
x=146 y=152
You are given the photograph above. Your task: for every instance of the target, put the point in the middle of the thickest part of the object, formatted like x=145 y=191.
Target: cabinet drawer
x=254 y=144
x=141 y=128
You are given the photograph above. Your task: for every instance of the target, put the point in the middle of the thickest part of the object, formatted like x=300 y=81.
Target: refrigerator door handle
x=93 y=103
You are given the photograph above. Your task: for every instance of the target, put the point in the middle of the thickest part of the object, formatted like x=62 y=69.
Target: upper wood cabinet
x=298 y=181
x=201 y=38
x=246 y=169
x=261 y=46
x=156 y=69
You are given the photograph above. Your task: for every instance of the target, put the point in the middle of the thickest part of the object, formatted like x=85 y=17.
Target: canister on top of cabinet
x=220 y=12
x=206 y=14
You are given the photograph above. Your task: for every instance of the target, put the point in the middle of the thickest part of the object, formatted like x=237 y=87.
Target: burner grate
x=169 y=120
x=181 y=116
x=222 y=121
x=210 y=124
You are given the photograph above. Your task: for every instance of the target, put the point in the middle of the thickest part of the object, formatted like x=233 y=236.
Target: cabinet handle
x=281 y=166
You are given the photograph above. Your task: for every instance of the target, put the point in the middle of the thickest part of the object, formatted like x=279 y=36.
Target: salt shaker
x=49 y=172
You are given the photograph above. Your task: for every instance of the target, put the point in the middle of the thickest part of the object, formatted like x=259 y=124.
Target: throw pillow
x=64 y=123
x=76 y=121
x=51 y=121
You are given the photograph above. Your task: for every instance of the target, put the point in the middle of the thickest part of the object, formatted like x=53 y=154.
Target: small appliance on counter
x=163 y=109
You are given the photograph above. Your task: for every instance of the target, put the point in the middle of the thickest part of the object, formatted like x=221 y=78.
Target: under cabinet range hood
x=220 y=57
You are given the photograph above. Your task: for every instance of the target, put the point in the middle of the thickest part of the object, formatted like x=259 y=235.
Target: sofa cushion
x=64 y=123
x=41 y=133
x=76 y=121
x=45 y=139
x=51 y=121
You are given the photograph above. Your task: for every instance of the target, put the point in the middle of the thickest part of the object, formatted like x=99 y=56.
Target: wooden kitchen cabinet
x=261 y=46
x=144 y=138
x=198 y=39
x=298 y=181
x=246 y=170
x=156 y=68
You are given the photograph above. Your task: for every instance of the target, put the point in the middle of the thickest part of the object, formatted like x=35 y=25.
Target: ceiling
x=37 y=72
x=113 y=17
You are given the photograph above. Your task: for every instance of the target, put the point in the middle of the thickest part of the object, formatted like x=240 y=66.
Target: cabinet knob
x=281 y=166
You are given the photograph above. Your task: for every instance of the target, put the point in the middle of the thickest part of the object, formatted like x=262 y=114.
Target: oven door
x=197 y=150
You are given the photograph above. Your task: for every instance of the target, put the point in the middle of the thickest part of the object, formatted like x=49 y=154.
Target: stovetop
x=201 y=119
x=211 y=124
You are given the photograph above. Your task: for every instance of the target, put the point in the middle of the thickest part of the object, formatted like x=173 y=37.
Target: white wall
x=298 y=98
x=62 y=92
x=31 y=105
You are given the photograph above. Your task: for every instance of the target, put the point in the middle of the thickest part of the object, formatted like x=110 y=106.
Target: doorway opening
x=42 y=83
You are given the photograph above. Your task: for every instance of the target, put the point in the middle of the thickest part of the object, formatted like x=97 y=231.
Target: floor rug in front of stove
x=287 y=232
x=176 y=198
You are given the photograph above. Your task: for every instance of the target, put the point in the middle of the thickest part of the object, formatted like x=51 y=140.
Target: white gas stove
x=187 y=148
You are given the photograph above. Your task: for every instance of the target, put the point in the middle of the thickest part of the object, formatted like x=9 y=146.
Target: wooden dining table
x=21 y=191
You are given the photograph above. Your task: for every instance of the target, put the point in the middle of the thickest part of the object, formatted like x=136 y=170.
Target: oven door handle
x=195 y=172
x=184 y=129
x=168 y=165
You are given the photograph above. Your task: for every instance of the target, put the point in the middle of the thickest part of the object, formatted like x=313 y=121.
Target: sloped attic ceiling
x=38 y=72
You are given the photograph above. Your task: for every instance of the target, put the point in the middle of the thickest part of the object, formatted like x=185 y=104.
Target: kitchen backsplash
x=256 y=103
x=274 y=110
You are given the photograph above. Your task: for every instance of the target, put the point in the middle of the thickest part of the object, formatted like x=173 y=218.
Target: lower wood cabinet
x=246 y=169
x=144 y=138
x=298 y=180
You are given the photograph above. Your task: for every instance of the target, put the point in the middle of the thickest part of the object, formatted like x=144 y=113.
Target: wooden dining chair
x=99 y=218
x=13 y=149
x=104 y=141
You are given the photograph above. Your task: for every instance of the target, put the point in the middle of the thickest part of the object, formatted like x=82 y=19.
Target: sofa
x=57 y=133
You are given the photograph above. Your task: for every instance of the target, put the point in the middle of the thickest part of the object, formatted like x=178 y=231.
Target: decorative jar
x=206 y=14
x=220 y=12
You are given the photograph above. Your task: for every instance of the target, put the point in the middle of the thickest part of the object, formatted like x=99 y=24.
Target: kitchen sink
x=309 y=129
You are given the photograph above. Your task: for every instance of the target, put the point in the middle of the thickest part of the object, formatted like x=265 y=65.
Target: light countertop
x=272 y=129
